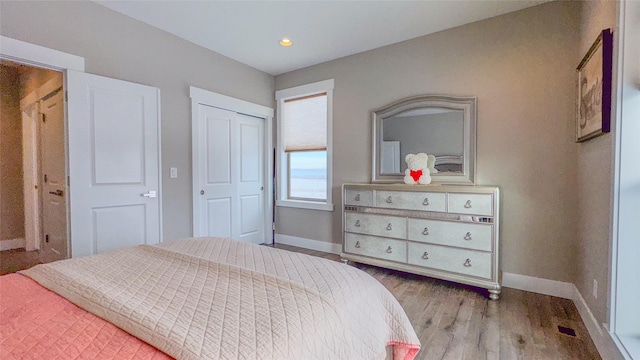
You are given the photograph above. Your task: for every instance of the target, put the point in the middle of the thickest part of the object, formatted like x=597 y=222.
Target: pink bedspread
x=36 y=323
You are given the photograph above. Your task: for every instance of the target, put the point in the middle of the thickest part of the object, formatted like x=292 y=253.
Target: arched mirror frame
x=465 y=103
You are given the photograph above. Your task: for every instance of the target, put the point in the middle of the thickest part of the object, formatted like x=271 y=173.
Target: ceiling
x=249 y=31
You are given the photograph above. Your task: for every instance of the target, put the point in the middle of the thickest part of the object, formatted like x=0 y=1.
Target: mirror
x=443 y=126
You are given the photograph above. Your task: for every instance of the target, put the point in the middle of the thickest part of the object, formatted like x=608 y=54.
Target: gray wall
x=521 y=68
x=594 y=182
x=11 y=186
x=117 y=46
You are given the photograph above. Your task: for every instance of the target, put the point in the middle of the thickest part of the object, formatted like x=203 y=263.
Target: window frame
x=282 y=159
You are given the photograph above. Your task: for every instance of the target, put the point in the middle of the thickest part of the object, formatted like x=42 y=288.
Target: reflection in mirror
x=443 y=126
x=432 y=131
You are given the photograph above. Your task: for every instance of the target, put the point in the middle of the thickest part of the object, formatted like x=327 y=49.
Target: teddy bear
x=418 y=171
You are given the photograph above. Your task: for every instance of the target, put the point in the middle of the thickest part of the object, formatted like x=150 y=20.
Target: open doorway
x=33 y=215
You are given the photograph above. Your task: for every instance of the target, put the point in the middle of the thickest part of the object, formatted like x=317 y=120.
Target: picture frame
x=593 y=103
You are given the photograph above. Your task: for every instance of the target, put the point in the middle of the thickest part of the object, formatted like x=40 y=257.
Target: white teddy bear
x=418 y=171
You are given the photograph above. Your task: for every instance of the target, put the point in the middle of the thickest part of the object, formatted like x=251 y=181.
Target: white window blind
x=306 y=123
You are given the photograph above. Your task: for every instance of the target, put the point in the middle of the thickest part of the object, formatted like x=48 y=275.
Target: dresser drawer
x=381 y=248
x=381 y=225
x=467 y=262
x=464 y=235
x=411 y=200
x=473 y=204
x=358 y=197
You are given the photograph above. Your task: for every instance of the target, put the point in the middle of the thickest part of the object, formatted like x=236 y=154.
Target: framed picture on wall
x=593 y=110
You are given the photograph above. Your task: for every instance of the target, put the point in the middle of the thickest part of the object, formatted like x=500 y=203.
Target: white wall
x=626 y=247
x=521 y=68
x=117 y=46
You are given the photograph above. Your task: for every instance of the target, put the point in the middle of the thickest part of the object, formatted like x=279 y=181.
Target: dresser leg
x=494 y=294
x=345 y=261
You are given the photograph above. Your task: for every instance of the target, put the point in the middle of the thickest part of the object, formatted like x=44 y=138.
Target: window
x=304 y=146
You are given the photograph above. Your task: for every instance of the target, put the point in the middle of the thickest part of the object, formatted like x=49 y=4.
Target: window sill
x=630 y=345
x=305 y=205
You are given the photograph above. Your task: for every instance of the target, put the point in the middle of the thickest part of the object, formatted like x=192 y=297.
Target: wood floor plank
x=454 y=321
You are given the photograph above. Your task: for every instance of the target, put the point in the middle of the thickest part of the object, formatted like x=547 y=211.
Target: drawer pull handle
x=468 y=236
x=389 y=227
x=425 y=255
x=425 y=202
x=357 y=197
x=389 y=251
x=389 y=201
x=467 y=263
x=467 y=205
x=358 y=244
x=357 y=223
x=425 y=232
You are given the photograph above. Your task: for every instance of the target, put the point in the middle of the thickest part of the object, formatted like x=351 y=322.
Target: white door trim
x=44 y=90
x=20 y=51
x=209 y=98
x=40 y=56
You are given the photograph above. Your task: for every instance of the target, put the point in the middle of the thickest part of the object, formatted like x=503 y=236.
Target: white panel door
x=391 y=157
x=231 y=182
x=53 y=181
x=216 y=187
x=114 y=153
x=250 y=179
x=31 y=176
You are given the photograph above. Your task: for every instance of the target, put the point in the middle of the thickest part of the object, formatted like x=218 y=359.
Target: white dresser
x=443 y=231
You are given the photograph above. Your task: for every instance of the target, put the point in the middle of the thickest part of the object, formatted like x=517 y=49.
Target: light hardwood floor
x=454 y=321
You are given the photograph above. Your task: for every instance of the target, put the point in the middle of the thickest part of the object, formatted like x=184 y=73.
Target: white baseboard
x=309 y=244
x=601 y=337
x=10 y=244
x=560 y=289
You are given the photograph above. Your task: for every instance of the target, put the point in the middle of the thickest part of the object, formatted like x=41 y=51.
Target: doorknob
x=57 y=193
x=150 y=194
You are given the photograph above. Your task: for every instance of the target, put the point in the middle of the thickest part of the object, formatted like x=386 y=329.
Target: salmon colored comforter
x=36 y=323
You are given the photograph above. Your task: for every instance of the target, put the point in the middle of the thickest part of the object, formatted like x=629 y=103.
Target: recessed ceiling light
x=286 y=42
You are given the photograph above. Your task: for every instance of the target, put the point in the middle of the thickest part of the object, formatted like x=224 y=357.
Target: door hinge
x=43 y=117
x=273 y=226
x=68 y=181
x=66 y=95
x=46 y=178
x=46 y=238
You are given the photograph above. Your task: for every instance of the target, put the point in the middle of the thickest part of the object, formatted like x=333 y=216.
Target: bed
x=201 y=298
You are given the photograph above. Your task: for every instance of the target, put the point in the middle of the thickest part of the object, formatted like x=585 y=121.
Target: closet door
x=229 y=165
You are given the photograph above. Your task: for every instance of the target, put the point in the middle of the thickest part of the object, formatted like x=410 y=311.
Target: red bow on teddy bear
x=415 y=174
